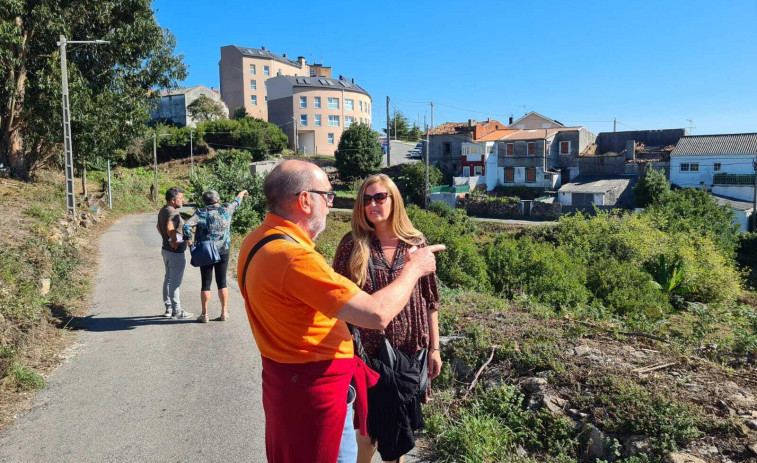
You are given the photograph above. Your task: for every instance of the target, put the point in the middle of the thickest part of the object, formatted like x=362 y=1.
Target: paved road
x=141 y=387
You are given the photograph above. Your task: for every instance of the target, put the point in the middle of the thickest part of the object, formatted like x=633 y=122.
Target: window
x=510 y=150
x=252 y=69
x=304 y=120
x=254 y=100
x=530 y=174
x=564 y=147
x=684 y=167
x=333 y=103
x=477 y=170
x=716 y=167
x=303 y=102
x=317 y=120
x=348 y=121
x=694 y=167
x=447 y=148
x=531 y=148
x=333 y=121
x=360 y=105
x=253 y=85
x=689 y=167
x=317 y=102
x=509 y=175
x=466 y=171
x=266 y=71
x=331 y=139
x=349 y=104
x=266 y=100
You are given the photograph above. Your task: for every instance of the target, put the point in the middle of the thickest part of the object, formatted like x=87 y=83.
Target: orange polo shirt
x=293 y=295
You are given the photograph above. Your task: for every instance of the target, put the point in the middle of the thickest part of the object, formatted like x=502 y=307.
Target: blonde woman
x=382 y=234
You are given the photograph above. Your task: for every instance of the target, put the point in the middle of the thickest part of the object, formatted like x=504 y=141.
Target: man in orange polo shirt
x=297 y=307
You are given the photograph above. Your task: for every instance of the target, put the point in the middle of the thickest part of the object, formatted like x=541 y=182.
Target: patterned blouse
x=220 y=225
x=408 y=331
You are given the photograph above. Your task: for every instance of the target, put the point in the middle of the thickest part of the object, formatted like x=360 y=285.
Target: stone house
x=173 y=104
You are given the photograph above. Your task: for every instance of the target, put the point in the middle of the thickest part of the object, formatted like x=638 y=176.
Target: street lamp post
x=67 y=137
x=191 y=154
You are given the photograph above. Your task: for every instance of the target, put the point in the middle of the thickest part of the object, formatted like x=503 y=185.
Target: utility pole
x=67 y=137
x=614 y=124
x=388 y=141
x=155 y=162
x=432 y=115
x=110 y=194
x=191 y=154
x=427 y=194
x=395 y=125
x=294 y=124
x=754 y=199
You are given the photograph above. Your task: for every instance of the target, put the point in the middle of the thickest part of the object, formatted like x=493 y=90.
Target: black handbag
x=205 y=252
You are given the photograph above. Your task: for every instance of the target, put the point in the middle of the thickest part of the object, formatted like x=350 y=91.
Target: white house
x=742 y=211
x=173 y=104
x=697 y=160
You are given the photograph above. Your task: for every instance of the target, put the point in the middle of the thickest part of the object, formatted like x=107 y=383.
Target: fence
x=733 y=179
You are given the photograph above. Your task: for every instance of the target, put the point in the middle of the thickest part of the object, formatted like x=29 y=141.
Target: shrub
x=547 y=273
x=228 y=175
x=652 y=187
x=257 y=136
x=625 y=289
x=27 y=379
x=359 y=152
x=460 y=265
x=413 y=179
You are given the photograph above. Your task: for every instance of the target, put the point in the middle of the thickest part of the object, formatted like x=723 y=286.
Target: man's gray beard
x=317 y=226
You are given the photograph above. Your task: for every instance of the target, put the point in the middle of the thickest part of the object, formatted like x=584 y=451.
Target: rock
x=44 y=286
x=534 y=385
x=444 y=340
x=521 y=452
x=752 y=448
x=635 y=445
x=681 y=457
x=742 y=399
x=597 y=445
x=85 y=223
x=752 y=424
x=554 y=404
x=582 y=350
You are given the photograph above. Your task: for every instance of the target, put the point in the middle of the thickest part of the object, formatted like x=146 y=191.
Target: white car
x=414 y=153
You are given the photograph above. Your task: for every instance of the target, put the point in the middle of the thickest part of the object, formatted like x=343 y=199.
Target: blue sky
x=650 y=64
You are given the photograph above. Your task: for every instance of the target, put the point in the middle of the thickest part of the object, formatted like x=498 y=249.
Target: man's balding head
x=286 y=180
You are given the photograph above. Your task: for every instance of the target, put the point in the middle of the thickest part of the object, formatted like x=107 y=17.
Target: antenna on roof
x=691 y=126
x=524 y=108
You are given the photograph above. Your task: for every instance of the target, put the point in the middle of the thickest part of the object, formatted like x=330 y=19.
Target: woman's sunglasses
x=379 y=198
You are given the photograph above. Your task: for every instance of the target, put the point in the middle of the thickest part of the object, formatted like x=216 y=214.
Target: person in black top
x=174 y=260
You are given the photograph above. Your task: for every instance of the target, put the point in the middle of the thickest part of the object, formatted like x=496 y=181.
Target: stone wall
x=547 y=211
x=486 y=207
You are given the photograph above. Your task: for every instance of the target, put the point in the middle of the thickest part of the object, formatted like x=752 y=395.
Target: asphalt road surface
x=399 y=151
x=140 y=387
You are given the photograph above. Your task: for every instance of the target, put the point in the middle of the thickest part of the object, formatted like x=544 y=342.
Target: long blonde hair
x=363 y=230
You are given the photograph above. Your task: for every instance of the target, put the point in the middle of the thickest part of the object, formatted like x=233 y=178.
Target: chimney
x=630 y=150
x=511 y=121
x=471 y=122
x=353 y=80
x=488 y=119
x=301 y=59
x=263 y=47
x=284 y=55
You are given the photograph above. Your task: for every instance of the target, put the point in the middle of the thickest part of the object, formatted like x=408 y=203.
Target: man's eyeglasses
x=379 y=198
x=327 y=195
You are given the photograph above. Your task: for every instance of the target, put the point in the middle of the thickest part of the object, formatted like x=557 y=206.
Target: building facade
x=314 y=111
x=696 y=159
x=173 y=105
x=244 y=73
x=446 y=143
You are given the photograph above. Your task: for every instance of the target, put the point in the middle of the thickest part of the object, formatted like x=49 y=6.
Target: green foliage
x=547 y=273
x=668 y=276
x=461 y=264
x=205 y=108
x=228 y=175
x=359 y=152
x=108 y=83
x=26 y=379
x=652 y=187
x=626 y=290
x=399 y=129
x=413 y=181
x=691 y=210
x=262 y=139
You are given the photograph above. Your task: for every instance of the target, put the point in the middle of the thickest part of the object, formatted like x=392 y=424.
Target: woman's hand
x=242 y=194
x=434 y=363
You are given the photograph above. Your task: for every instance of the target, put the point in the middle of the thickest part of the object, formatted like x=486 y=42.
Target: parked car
x=419 y=146
x=415 y=153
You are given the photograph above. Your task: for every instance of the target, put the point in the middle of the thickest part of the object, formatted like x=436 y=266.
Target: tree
x=257 y=136
x=109 y=84
x=414 y=181
x=205 y=108
x=399 y=128
x=651 y=187
x=359 y=152
x=240 y=113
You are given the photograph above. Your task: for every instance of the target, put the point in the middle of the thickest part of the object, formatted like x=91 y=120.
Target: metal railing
x=733 y=179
